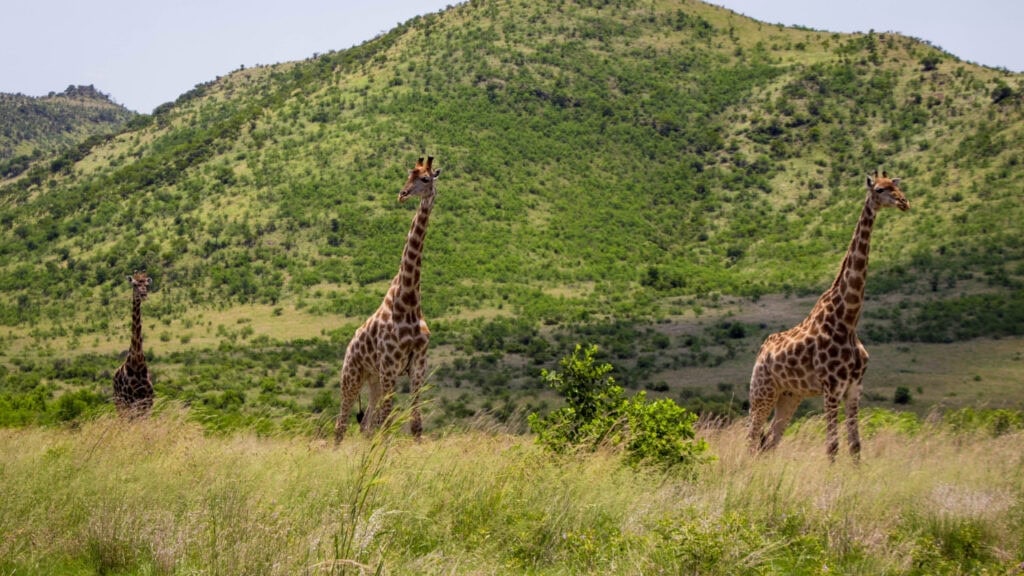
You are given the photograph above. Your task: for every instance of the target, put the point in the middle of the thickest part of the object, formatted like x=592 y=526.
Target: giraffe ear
x=896 y=181
x=149 y=281
x=130 y=279
x=871 y=183
x=436 y=173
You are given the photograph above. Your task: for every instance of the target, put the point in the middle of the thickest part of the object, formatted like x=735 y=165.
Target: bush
x=596 y=414
x=901 y=395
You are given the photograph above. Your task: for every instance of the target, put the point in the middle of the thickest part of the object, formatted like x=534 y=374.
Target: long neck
x=412 y=255
x=847 y=291
x=135 y=354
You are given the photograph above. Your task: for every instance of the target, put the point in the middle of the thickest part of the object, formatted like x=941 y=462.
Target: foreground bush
x=597 y=413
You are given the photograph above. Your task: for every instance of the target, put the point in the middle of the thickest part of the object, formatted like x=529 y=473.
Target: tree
x=930 y=62
x=1001 y=92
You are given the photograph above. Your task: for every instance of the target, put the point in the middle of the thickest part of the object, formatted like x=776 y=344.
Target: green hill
x=31 y=128
x=640 y=174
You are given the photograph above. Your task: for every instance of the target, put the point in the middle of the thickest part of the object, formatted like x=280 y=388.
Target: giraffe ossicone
x=393 y=340
x=822 y=356
x=133 y=387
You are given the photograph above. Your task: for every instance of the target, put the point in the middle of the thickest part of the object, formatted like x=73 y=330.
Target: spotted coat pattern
x=822 y=355
x=133 y=387
x=393 y=341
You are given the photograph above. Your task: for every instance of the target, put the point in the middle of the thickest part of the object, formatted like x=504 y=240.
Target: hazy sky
x=985 y=32
x=144 y=53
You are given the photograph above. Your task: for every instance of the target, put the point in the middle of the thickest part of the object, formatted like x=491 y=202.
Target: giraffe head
x=421 y=180
x=140 y=284
x=886 y=192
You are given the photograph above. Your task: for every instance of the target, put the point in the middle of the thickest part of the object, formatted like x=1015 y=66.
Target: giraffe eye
x=424 y=179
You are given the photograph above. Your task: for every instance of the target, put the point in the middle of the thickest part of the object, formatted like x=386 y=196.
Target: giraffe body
x=822 y=356
x=393 y=341
x=133 y=388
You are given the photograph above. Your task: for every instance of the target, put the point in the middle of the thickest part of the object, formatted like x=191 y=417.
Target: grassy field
x=161 y=497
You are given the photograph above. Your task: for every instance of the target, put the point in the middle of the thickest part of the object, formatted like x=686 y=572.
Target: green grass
x=161 y=497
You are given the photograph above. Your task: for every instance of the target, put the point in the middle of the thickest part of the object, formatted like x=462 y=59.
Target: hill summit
x=33 y=127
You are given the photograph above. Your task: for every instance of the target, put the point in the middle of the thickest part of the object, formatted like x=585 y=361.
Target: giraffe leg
x=417 y=373
x=385 y=402
x=784 y=410
x=350 y=385
x=852 y=423
x=367 y=424
x=761 y=403
x=832 y=424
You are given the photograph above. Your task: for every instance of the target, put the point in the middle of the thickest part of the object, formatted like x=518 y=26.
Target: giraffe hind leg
x=761 y=404
x=784 y=410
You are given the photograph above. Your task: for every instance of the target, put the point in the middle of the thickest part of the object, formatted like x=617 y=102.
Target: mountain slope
x=601 y=162
x=33 y=127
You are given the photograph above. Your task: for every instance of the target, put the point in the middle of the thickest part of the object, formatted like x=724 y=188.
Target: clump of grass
x=161 y=496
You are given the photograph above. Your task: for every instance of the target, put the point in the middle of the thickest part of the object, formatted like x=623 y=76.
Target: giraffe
x=393 y=340
x=133 y=389
x=822 y=355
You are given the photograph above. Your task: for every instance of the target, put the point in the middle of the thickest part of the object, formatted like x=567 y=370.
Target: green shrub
x=901 y=395
x=597 y=413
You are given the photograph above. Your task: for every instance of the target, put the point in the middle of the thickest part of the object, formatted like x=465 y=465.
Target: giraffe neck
x=408 y=279
x=847 y=292
x=135 y=354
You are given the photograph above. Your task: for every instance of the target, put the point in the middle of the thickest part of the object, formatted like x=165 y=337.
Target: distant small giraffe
x=393 y=340
x=133 y=389
x=822 y=355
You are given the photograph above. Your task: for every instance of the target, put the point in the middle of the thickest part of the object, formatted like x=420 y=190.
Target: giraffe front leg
x=417 y=373
x=350 y=385
x=832 y=425
x=367 y=423
x=852 y=422
x=381 y=409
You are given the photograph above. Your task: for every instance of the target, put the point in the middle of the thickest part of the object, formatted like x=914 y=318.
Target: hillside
x=642 y=175
x=31 y=128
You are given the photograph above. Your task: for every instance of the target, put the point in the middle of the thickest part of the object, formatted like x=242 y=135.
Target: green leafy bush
x=659 y=433
x=902 y=395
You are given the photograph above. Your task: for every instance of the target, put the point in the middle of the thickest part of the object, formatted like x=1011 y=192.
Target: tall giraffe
x=394 y=339
x=133 y=388
x=822 y=355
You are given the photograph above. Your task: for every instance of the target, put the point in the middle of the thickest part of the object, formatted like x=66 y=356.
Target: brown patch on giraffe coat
x=409 y=299
x=851 y=316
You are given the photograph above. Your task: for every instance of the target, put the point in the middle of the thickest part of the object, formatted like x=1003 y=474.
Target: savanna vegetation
x=162 y=496
x=662 y=182
x=667 y=180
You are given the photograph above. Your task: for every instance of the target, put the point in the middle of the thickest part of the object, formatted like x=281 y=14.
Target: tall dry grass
x=161 y=497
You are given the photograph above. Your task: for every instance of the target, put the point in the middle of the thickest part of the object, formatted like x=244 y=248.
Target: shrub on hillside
x=597 y=413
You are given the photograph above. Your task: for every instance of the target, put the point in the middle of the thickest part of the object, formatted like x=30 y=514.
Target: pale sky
x=145 y=53
x=986 y=32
